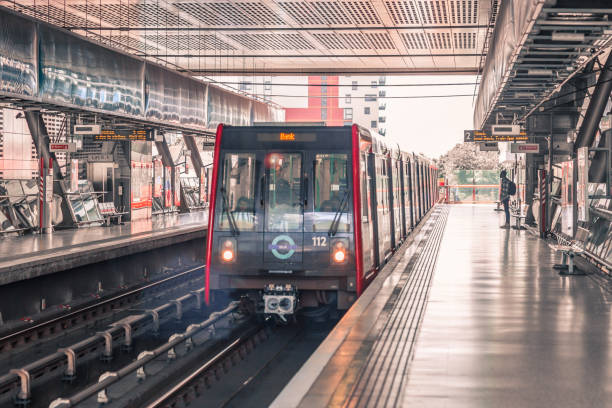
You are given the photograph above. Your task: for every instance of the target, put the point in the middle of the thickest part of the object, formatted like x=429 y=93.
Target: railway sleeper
x=102 y=344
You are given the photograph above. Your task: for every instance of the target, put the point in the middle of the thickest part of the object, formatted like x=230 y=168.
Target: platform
x=498 y=328
x=29 y=256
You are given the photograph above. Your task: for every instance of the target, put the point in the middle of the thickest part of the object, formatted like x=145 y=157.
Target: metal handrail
x=107 y=379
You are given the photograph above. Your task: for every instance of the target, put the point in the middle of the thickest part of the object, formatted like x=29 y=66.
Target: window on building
x=324 y=114
x=354 y=85
x=324 y=102
x=370 y=98
x=245 y=86
x=348 y=113
x=347 y=99
x=267 y=85
x=323 y=78
x=366 y=110
x=323 y=89
x=373 y=124
x=374 y=84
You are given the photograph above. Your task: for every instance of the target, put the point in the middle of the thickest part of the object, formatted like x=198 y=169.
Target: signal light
x=339 y=252
x=228 y=250
x=227 y=255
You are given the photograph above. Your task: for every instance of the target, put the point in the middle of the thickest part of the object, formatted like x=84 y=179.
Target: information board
x=482 y=136
x=125 y=135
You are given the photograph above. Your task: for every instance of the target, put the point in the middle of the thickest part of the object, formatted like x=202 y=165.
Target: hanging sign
x=62 y=147
x=525 y=148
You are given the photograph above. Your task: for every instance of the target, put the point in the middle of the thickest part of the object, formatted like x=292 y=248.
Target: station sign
x=62 y=147
x=483 y=136
x=489 y=147
x=525 y=148
x=135 y=135
x=86 y=129
x=506 y=130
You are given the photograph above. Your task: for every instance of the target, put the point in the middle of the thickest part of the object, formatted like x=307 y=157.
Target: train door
x=384 y=218
x=397 y=202
x=373 y=198
x=415 y=192
x=283 y=227
x=368 y=244
x=391 y=200
x=402 y=195
x=408 y=194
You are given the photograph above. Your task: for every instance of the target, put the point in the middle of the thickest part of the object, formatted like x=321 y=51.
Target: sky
x=429 y=126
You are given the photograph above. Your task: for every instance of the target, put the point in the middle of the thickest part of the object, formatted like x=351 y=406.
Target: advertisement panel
x=568 y=198
x=158 y=178
x=168 y=186
x=583 y=183
x=203 y=194
x=74 y=175
x=177 y=188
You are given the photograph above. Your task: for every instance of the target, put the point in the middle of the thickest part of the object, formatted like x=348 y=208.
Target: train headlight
x=227 y=248
x=338 y=249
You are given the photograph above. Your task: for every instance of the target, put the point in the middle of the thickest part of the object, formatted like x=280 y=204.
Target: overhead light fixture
x=560 y=36
x=523 y=95
x=540 y=72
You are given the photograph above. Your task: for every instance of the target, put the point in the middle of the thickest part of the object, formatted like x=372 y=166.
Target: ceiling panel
x=222 y=34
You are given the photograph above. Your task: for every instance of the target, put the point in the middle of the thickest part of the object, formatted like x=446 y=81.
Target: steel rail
x=174 y=393
x=15 y=336
x=109 y=378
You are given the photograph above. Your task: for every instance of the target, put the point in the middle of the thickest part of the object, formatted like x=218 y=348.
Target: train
x=305 y=216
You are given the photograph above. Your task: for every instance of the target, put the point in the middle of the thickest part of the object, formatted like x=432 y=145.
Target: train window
x=237 y=192
x=331 y=193
x=284 y=192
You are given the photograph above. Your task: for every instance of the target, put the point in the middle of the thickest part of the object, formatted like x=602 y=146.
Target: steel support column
x=40 y=137
x=196 y=159
x=164 y=150
x=599 y=99
x=41 y=140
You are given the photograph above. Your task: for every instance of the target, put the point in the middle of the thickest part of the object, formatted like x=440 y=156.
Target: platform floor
x=500 y=328
x=26 y=256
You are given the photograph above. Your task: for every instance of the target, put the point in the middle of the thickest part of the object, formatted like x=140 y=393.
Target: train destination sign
x=483 y=136
x=124 y=135
x=286 y=137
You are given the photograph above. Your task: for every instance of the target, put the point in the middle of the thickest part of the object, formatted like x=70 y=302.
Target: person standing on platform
x=505 y=197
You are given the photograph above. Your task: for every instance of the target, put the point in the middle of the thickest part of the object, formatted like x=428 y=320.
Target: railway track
x=18 y=382
x=132 y=383
x=37 y=331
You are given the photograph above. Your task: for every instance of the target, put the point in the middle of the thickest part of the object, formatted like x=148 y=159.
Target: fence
x=472 y=186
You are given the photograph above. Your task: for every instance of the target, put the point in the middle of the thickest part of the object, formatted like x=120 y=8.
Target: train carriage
x=303 y=216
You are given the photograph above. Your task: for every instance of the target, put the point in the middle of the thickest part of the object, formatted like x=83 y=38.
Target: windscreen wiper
x=230 y=216
x=336 y=221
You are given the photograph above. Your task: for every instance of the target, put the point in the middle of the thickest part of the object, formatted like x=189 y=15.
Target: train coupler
x=280 y=300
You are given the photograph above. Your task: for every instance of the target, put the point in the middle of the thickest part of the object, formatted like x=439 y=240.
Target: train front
x=282 y=221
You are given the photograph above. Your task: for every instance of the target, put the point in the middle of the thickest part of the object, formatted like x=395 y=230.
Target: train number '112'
x=319 y=241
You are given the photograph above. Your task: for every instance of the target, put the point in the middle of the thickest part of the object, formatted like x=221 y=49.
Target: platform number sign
x=468 y=136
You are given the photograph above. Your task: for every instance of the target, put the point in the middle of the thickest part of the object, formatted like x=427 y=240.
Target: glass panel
x=77 y=206
x=331 y=193
x=237 y=192
x=284 y=201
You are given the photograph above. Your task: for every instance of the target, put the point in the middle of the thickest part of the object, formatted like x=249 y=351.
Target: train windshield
x=331 y=193
x=284 y=192
x=237 y=192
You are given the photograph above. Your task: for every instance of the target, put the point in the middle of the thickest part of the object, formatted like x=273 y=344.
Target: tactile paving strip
x=388 y=349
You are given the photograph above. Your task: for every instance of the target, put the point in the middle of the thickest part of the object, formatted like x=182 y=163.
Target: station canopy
x=284 y=37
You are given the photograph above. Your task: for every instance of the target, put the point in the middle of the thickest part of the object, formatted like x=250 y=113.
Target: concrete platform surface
x=500 y=328
x=29 y=256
